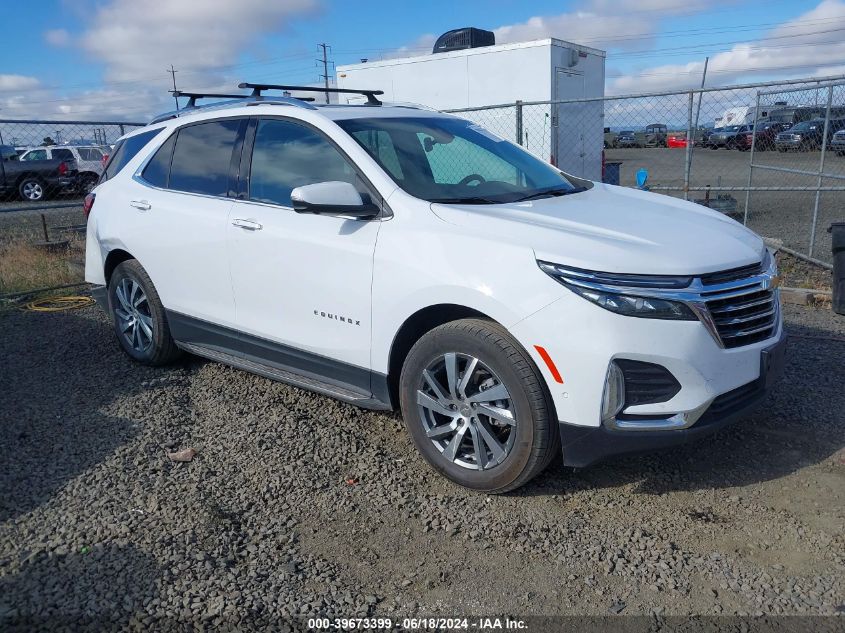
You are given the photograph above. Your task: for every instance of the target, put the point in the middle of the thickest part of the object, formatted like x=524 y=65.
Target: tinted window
x=158 y=169
x=454 y=160
x=36 y=154
x=380 y=146
x=287 y=155
x=63 y=154
x=126 y=150
x=89 y=153
x=202 y=157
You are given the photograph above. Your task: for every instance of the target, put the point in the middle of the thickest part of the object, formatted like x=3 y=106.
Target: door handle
x=143 y=205
x=249 y=225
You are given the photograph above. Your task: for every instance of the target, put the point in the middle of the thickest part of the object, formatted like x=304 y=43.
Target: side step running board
x=286 y=376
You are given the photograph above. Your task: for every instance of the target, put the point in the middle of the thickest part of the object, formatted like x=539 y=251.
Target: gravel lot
x=296 y=504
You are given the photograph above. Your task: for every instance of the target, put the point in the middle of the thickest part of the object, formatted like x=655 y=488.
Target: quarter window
x=63 y=154
x=202 y=157
x=89 y=153
x=157 y=171
x=126 y=150
x=287 y=155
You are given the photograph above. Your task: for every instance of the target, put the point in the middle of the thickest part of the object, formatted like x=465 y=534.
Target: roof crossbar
x=257 y=89
x=193 y=96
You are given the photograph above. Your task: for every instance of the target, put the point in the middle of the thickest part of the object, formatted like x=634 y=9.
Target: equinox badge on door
x=336 y=317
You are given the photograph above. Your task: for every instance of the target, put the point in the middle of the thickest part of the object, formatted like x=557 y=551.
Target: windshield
x=806 y=125
x=446 y=159
x=730 y=128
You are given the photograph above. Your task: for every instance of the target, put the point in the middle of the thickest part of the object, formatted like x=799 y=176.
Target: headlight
x=631 y=305
x=587 y=285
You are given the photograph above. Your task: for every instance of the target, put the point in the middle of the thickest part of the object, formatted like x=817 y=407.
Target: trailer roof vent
x=460 y=39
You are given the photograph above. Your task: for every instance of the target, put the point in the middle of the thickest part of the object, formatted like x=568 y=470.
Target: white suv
x=396 y=257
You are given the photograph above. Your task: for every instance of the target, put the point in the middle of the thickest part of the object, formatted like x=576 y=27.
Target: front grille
x=733 y=274
x=744 y=314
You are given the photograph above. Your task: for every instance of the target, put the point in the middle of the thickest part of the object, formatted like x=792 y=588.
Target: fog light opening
x=613 y=399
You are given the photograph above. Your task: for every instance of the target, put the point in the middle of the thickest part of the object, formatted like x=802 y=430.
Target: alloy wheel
x=33 y=190
x=466 y=411
x=135 y=321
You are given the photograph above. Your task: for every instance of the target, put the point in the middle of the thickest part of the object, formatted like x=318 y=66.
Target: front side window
x=287 y=155
x=446 y=159
x=202 y=157
x=36 y=154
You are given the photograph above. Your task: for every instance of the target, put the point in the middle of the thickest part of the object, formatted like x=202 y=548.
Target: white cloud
x=592 y=29
x=134 y=39
x=10 y=83
x=811 y=44
x=57 y=37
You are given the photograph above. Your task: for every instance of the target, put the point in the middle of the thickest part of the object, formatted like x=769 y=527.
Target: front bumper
x=789 y=143
x=837 y=145
x=585 y=446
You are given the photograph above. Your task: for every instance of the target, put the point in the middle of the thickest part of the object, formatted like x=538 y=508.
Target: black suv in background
x=766 y=132
x=728 y=136
x=807 y=135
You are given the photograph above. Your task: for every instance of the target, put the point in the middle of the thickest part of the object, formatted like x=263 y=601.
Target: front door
x=302 y=282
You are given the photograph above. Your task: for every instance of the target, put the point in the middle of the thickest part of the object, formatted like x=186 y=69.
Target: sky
x=109 y=58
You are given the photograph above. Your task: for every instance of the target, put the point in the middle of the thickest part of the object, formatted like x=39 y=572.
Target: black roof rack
x=257 y=89
x=193 y=96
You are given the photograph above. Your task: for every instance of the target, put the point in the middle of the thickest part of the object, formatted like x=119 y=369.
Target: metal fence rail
x=788 y=195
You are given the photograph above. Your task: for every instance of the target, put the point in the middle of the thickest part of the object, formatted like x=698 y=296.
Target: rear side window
x=202 y=157
x=157 y=171
x=63 y=154
x=89 y=153
x=126 y=150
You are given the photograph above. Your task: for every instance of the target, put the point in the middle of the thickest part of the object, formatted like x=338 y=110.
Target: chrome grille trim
x=736 y=311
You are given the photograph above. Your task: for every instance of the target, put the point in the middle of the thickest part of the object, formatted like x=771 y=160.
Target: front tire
x=138 y=317
x=476 y=407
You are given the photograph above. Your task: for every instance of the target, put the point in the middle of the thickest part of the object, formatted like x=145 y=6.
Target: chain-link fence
x=766 y=154
x=53 y=163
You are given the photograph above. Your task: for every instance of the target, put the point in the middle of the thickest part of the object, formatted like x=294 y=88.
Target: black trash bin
x=611 y=172
x=838 y=243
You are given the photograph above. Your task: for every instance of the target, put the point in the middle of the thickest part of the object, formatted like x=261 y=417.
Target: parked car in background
x=627 y=138
x=807 y=135
x=678 y=139
x=34 y=180
x=609 y=138
x=88 y=159
x=728 y=136
x=766 y=132
x=837 y=143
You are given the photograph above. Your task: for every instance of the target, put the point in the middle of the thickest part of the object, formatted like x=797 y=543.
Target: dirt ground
x=297 y=505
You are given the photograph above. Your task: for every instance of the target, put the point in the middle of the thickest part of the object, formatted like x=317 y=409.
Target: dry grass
x=24 y=267
x=797 y=273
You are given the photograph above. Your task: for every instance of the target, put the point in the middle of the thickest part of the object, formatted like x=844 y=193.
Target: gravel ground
x=296 y=504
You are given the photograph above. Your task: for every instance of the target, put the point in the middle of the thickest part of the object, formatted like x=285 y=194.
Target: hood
x=615 y=229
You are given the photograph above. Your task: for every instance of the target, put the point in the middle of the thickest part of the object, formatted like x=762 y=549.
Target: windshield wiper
x=551 y=193
x=468 y=200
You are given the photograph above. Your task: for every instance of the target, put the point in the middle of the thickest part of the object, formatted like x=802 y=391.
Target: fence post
x=821 y=170
x=689 y=147
x=121 y=130
x=519 y=137
x=751 y=159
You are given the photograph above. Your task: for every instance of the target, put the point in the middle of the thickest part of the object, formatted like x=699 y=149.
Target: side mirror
x=332 y=198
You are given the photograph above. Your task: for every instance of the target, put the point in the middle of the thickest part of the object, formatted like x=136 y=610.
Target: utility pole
x=173 y=72
x=325 y=74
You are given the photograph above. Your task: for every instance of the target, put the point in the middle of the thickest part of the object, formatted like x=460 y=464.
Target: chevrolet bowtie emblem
x=776 y=281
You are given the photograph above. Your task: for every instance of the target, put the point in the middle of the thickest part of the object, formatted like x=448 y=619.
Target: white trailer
x=571 y=136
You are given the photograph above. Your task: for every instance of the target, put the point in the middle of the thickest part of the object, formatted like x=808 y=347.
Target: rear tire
x=138 y=318
x=499 y=415
x=32 y=189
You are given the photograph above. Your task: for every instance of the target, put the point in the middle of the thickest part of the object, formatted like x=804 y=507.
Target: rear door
x=179 y=207
x=302 y=281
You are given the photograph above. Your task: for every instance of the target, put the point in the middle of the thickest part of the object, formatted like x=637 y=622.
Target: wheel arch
x=113 y=260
